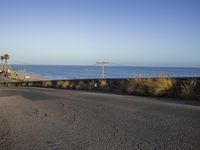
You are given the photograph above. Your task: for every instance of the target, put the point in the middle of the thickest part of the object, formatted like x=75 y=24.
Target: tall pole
x=102 y=71
x=24 y=71
x=102 y=63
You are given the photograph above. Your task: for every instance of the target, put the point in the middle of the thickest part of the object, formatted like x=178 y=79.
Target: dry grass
x=65 y=84
x=138 y=86
x=123 y=86
x=188 y=89
x=30 y=84
x=72 y=85
x=104 y=84
x=62 y=84
x=9 y=84
x=59 y=84
x=47 y=84
x=160 y=86
x=24 y=84
x=80 y=86
x=91 y=85
x=163 y=86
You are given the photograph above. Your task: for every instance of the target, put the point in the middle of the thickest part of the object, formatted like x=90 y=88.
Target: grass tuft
x=24 y=84
x=188 y=89
x=62 y=84
x=65 y=84
x=72 y=85
x=46 y=84
x=80 y=86
x=30 y=84
x=139 y=86
x=104 y=84
x=164 y=86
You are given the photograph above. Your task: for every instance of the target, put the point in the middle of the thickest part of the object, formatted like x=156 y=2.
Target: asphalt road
x=50 y=119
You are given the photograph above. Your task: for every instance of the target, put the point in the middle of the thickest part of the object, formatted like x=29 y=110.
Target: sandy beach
x=18 y=76
x=30 y=77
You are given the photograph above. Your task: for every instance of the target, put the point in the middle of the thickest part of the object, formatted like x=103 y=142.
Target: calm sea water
x=90 y=72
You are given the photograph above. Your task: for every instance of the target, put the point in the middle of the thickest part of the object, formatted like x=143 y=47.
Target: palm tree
x=2 y=58
x=6 y=57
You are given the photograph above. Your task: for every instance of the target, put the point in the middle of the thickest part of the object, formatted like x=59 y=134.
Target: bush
x=30 y=84
x=104 y=84
x=59 y=84
x=188 y=89
x=123 y=86
x=80 y=86
x=65 y=84
x=9 y=84
x=91 y=85
x=71 y=85
x=46 y=84
x=62 y=84
x=139 y=86
x=164 y=86
x=24 y=84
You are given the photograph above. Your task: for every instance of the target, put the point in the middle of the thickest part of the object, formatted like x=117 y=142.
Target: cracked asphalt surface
x=50 y=119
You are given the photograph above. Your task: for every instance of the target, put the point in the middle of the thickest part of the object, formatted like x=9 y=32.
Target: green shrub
x=188 y=89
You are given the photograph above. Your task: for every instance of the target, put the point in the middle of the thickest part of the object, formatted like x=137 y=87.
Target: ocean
x=55 y=72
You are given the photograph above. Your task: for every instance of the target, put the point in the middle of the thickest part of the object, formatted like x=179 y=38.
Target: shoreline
x=60 y=72
x=30 y=77
x=10 y=75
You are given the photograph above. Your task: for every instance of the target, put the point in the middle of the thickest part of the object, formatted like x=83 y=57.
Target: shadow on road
x=31 y=94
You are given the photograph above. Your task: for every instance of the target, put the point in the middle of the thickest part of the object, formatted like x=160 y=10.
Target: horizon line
x=108 y=65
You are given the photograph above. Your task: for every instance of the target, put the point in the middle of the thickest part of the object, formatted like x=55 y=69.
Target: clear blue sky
x=124 y=32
